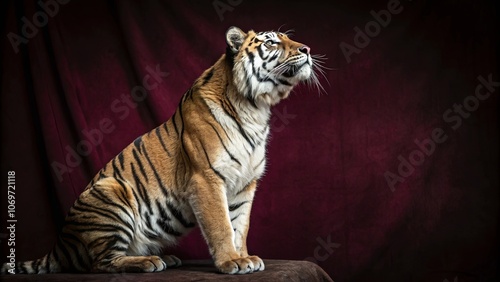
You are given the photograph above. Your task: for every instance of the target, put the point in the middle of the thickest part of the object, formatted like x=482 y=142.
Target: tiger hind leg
x=108 y=211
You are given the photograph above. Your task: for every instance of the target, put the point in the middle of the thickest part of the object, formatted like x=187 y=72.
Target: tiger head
x=267 y=65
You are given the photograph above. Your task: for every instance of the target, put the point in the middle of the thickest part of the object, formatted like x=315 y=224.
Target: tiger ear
x=235 y=38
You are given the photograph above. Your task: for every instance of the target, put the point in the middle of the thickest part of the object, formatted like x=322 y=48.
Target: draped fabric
x=390 y=174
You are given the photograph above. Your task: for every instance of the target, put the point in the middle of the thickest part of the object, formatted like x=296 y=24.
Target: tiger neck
x=250 y=116
x=251 y=112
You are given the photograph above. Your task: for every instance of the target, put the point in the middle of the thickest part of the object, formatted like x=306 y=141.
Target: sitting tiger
x=200 y=168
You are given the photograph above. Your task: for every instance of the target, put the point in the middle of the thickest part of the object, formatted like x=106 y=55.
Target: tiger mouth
x=293 y=70
x=292 y=65
x=290 y=72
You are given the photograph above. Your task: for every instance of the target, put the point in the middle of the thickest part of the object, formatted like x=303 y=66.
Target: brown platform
x=276 y=270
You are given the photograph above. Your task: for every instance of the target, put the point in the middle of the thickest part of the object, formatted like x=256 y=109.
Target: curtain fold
x=390 y=175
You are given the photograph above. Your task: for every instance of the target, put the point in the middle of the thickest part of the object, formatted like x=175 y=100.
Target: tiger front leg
x=209 y=203
x=239 y=212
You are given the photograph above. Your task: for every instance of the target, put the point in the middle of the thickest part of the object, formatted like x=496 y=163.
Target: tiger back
x=200 y=168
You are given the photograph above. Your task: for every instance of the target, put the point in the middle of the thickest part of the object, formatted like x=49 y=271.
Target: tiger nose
x=304 y=49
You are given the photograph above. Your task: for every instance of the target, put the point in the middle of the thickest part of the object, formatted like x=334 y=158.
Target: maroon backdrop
x=392 y=175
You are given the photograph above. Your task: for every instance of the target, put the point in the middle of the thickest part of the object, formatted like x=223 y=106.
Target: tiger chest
x=240 y=164
x=242 y=141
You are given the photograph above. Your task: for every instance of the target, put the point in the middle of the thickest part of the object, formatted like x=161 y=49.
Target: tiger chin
x=200 y=168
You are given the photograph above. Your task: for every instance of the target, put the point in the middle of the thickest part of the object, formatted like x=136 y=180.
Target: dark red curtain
x=391 y=175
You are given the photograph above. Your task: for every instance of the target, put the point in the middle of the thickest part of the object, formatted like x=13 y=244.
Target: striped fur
x=200 y=168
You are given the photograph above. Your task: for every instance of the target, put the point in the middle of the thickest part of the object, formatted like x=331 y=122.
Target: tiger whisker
x=278 y=70
x=318 y=67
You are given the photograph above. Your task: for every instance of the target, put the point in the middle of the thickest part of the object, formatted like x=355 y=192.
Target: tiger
x=198 y=169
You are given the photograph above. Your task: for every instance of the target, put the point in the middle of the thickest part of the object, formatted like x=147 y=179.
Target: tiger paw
x=242 y=265
x=172 y=261
x=152 y=264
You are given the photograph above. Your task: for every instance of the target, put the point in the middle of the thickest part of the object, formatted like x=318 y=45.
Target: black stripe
x=274 y=57
x=118 y=249
x=249 y=86
x=116 y=172
x=103 y=212
x=105 y=167
x=256 y=73
x=244 y=188
x=64 y=250
x=190 y=93
x=250 y=55
x=150 y=235
x=111 y=242
x=175 y=124
x=261 y=53
x=93 y=227
x=157 y=131
x=236 y=206
x=163 y=212
x=225 y=148
x=166 y=128
x=99 y=195
x=137 y=143
x=139 y=164
x=139 y=205
x=225 y=132
x=240 y=127
x=123 y=193
x=208 y=76
x=71 y=237
x=140 y=188
x=187 y=95
x=210 y=164
x=232 y=219
x=90 y=226
x=178 y=215
x=284 y=82
x=182 y=133
x=120 y=158
x=168 y=228
x=74 y=250
x=105 y=239
x=158 y=178
x=101 y=175
x=92 y=182
x=261 y=161
x=149 y=227
x=230 y=57
x=252 y=102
